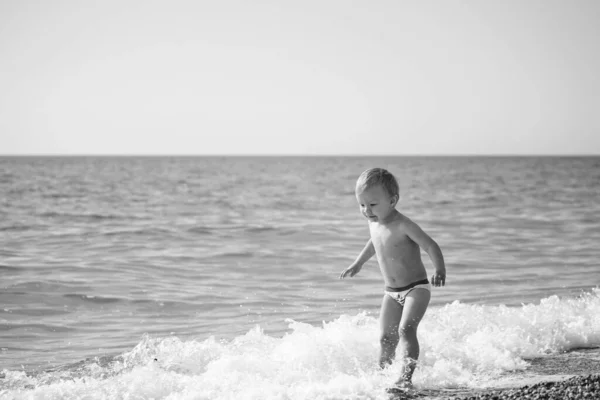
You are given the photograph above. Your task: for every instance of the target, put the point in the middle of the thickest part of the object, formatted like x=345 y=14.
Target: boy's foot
x=401 y=394
x=404 y=384
x=403 y=387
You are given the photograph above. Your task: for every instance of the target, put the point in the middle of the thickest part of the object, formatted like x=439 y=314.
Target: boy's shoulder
x=402 y=221
x=401 y=218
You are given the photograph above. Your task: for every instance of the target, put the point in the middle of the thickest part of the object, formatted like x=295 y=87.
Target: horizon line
x=299 y=155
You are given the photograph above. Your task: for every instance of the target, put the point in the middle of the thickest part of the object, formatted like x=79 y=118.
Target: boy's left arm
x=425 y=242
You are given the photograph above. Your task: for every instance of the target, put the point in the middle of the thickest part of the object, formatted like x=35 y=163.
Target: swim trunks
x=399 y=294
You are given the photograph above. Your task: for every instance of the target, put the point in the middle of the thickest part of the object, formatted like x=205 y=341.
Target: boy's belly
x=400 y=275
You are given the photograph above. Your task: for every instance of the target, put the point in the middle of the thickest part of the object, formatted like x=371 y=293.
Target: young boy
x=397 y=241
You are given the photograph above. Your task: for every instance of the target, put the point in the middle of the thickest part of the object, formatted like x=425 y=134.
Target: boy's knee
x=407 y=331
x=388 y=338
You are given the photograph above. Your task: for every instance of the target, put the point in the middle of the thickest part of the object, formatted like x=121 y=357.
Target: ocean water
x=217 y=277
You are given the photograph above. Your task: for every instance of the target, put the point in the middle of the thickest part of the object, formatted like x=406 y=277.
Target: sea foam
x=462 y=345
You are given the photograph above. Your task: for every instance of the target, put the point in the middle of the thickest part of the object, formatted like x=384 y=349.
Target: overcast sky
x=300 y=77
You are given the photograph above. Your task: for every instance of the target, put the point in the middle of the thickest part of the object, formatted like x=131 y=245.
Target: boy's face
x=375 y=204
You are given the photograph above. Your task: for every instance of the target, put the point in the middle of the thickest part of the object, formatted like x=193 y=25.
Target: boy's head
x=375 y=177
x=377 y=194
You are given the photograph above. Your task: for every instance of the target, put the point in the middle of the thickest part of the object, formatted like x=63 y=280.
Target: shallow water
x=108 y=263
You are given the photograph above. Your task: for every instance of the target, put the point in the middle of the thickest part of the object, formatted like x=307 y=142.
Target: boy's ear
x=395 y=199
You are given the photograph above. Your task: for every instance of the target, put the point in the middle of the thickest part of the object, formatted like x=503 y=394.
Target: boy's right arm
x=362 y=258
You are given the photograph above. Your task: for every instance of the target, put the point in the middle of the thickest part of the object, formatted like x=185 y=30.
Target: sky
x=373 y=77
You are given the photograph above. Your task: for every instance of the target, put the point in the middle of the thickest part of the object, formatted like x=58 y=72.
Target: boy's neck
x=392 y=216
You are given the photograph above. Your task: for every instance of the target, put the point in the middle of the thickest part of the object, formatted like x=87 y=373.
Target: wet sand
x=572 y=375
x=579 y=387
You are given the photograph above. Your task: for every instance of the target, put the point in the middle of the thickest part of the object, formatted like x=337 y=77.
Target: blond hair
x=378 y=176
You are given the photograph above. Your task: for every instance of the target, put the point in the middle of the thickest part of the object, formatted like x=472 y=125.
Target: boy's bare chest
x=385 y=238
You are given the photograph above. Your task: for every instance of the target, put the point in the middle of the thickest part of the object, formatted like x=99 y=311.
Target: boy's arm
x=362 y=258
x=429 y=245
x=366 y=253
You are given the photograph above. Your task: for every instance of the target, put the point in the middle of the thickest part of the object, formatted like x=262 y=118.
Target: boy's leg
x=415 y=305
x=389 y=320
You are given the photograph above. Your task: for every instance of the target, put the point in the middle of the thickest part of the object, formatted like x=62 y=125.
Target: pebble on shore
x=579 y=387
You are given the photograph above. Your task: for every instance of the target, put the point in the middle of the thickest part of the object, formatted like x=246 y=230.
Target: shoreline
x=574 y=374
x=577 y=387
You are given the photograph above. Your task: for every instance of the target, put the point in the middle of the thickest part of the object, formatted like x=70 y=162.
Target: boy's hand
x=439 y=278
x=351 y=270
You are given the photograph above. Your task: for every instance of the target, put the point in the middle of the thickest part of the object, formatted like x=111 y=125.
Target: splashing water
x=462 y=345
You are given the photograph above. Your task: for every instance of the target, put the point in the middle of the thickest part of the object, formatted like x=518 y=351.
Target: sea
x=189 y=277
